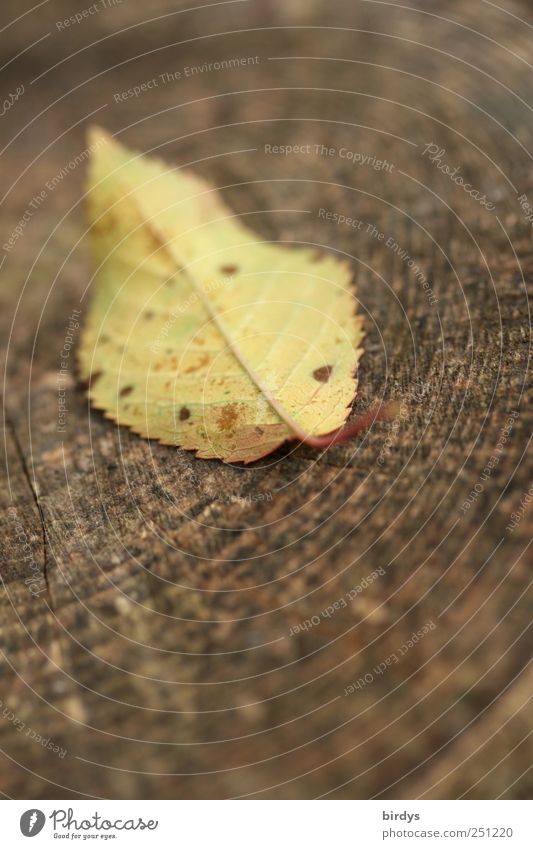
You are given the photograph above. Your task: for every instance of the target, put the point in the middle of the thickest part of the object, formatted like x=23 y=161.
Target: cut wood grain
x=155 y=648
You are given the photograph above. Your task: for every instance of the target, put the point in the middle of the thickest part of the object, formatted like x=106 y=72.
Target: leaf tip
x=97 y=137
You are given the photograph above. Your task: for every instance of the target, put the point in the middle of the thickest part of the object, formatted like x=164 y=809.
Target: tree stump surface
x=180 y=628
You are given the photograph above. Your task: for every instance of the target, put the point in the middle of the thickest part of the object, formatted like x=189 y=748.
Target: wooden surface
x=156 y=650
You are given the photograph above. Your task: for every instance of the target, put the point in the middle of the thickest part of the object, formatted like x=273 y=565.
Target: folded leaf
x=200 y=334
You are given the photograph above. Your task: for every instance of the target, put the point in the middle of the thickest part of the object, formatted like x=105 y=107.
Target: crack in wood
x=28 y=478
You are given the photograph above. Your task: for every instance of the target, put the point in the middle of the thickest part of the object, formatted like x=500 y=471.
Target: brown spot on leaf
x=184 y=414
x=149 y=314
x=91 y=380
x=259 y=431
x=229 y=269
x=323 y=373
x=155 y=240
x=227 y=418
x=125 y=391
x=202 y=362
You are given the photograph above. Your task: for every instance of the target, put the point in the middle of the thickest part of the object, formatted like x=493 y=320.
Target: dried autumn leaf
x=202 y=335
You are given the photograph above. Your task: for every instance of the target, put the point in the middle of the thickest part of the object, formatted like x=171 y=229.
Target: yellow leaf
x=200 y=334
